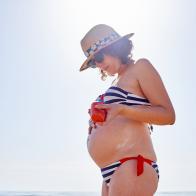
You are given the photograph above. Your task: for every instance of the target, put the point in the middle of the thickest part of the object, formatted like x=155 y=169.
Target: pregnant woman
x=121 y=145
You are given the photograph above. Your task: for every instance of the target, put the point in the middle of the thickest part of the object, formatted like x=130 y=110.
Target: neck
x=122 y=69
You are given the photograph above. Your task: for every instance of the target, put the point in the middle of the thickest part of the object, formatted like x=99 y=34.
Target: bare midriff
x=119 y=138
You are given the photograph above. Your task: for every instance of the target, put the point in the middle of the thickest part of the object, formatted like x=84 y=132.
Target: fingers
x=92 y=125
x=102 y=106
x=90 y=122
x=99 y=123
x=89 y=130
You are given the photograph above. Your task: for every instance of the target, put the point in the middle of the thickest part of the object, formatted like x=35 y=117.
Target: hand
x=112 y=110
x=92 y=125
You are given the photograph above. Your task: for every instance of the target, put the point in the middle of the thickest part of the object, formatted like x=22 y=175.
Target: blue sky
x=44 y=98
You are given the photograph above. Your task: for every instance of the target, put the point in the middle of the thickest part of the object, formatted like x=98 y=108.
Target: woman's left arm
x=161 y=111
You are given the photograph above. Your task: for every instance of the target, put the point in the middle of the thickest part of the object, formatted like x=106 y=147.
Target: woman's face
x=110 y=64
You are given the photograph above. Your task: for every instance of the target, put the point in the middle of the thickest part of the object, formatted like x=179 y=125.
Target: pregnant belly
x=119 y=137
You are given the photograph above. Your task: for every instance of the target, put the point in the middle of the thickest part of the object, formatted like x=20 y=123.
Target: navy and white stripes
x=109 y=170
x=117 y=95
x=156 y=168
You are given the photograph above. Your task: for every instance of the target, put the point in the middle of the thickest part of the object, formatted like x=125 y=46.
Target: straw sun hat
x=96 y=39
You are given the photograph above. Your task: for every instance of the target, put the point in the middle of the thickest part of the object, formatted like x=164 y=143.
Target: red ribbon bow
x=140 y=163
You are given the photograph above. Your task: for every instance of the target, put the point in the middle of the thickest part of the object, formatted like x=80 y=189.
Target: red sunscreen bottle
x=98 y=115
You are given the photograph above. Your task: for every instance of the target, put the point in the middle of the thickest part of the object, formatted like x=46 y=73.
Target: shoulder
x=143 y=64
x=143 y=67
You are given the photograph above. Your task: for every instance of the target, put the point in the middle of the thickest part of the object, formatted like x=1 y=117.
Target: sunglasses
x=97 y=57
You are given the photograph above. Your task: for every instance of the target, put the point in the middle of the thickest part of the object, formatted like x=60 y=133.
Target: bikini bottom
x=110 y=169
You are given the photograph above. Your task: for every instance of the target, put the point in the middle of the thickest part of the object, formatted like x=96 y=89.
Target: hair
x=121 y=49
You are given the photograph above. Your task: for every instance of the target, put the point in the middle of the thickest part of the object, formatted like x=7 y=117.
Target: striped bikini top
x=118 y=95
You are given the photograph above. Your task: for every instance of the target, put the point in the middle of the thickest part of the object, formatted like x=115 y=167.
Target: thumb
x=102 y=106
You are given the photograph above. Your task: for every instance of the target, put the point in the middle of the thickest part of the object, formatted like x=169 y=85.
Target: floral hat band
x=101 y=43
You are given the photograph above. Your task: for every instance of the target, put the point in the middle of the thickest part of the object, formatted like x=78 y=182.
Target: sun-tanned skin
x=125 y=132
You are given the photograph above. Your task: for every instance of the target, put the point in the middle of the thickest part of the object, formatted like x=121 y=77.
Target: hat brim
x=85 y=64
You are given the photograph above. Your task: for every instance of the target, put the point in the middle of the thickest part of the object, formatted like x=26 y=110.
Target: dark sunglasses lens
x=99 y=57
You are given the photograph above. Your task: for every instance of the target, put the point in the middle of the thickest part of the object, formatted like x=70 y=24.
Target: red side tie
x=140 y=163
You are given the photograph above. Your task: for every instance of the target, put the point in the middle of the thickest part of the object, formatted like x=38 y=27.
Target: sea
x=41 y=193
